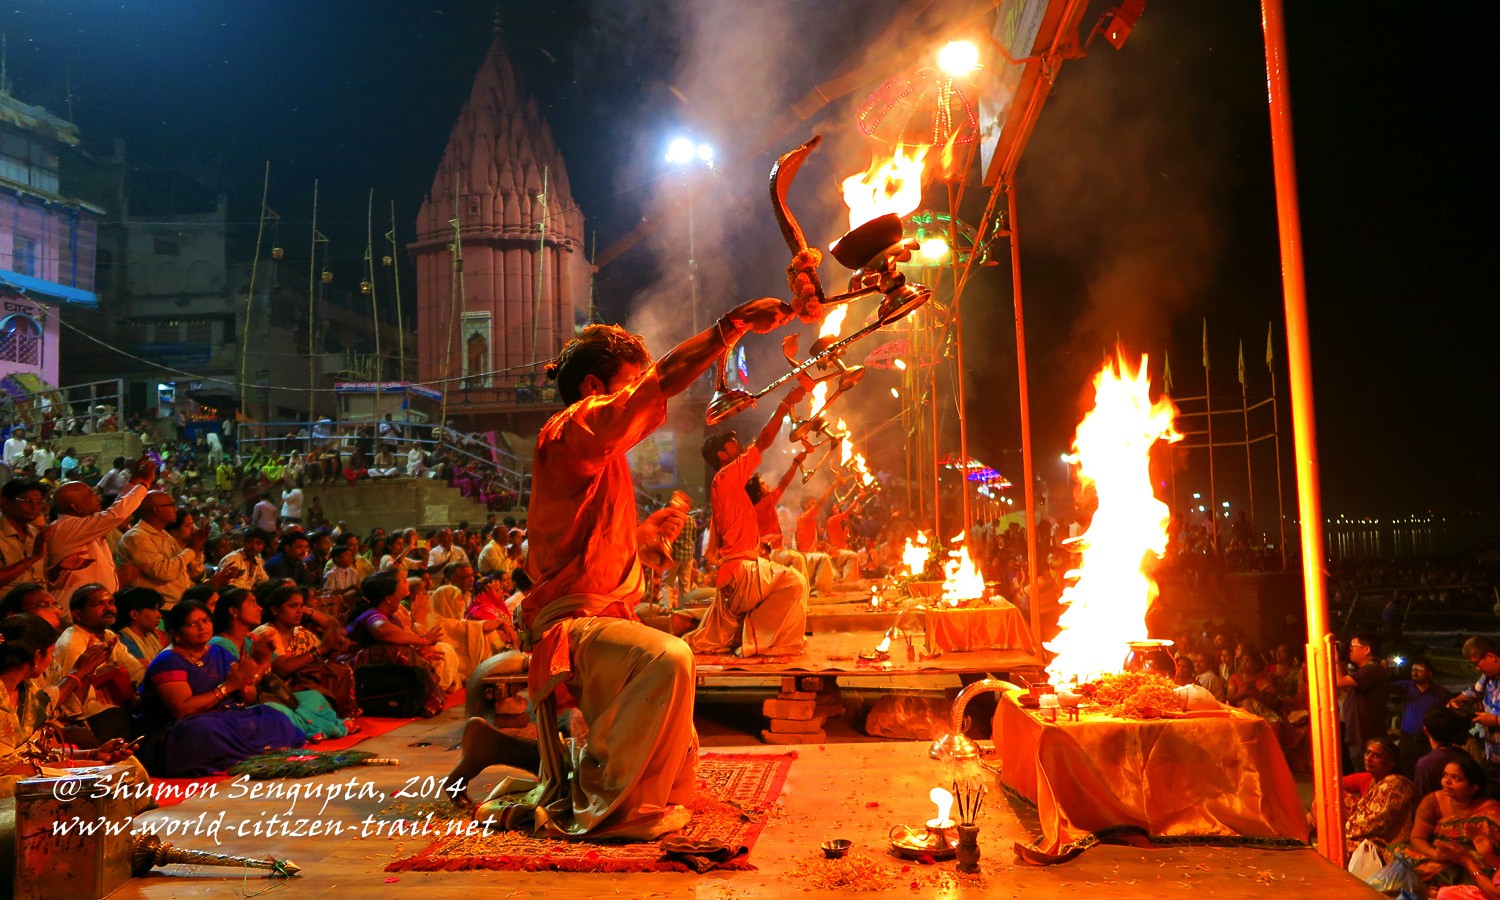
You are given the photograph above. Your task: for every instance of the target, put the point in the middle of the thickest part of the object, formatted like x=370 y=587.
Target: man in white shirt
x=82 y=524
x=444 y=552
x=322 y=433
x=1208 y=677
x=23 y=540
x=342 y=576
x=15 y=445
x=291 y=507
x=245 y=567
x=389 y=433
x=43 y=458
x=166 y=566
x=384 y=465
x=416 y=461
x=263 y=516
x=493 y=558
x=102 y=704
x=114 y=480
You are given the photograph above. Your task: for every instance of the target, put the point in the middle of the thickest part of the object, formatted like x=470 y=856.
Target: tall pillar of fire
x=499 y=255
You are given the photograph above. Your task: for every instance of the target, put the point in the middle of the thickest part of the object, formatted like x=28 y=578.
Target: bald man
x=166 y=565
x=82 y=524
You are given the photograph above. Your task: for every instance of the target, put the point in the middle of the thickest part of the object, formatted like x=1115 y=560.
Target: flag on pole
x=1166 y=378
x=1268 y=345
x=1205 y=345
x=1242 y=363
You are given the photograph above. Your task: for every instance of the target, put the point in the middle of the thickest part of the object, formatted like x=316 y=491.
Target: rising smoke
x=1124 y=186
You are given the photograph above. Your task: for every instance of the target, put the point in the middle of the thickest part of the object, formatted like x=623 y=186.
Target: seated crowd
x=1420 y=782
x=129 y=627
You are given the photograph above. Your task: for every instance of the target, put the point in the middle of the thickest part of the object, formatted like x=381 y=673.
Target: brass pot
x=1153 y=656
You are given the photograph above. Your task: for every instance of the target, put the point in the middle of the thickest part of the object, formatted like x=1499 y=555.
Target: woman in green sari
x=238 y=614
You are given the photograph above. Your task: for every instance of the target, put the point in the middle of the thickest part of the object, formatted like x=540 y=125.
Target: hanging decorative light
x=925 y=107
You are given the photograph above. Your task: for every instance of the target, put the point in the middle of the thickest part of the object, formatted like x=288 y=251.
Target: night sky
x=1145 y=195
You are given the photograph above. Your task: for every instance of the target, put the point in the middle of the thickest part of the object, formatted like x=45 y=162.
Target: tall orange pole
x=1024 y=391
x=958 y=349
x=1320 y=656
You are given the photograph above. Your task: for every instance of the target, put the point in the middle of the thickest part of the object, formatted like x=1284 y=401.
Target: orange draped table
x=999 y=626
x=1217 y=774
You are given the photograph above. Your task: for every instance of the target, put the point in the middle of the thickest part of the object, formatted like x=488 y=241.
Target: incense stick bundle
x=968 y=796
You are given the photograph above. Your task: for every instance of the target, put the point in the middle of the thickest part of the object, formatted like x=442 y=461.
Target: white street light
x=682 y=151
x=679 y=151
x=681 y=154
x=958 y=58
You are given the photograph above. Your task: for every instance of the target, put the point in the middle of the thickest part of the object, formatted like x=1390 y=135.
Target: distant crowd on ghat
x=328 y=453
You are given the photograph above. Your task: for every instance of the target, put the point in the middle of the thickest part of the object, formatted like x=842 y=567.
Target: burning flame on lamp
x=944 y=801
x=915 y=556
x=832 y=326
x=961 y=580
x=1106 y=606
x=892 y=185
x=856 y=461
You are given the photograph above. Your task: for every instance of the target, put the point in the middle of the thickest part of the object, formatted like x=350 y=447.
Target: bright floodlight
x=958 y=58
x=705 y=153
x=934 y=248
x=680 y=151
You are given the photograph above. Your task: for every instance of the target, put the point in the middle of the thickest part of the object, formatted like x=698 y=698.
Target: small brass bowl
x=837 y=849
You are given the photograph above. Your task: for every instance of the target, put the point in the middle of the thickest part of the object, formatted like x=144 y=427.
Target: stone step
x=773 y=737
x=421 y=503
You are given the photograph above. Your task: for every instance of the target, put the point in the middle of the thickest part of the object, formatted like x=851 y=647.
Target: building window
x=199 y=331
x=21 y=341
x=476 y=348
x=474 y=206
x=167 y=247
x=23 y=255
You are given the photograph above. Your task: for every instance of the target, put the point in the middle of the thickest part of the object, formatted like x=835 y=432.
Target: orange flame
x=892 y=185
x=855 y=461
x=961 y=579
x=1106 y=606
x=944 y=801
x=865 y=477
x=915 y=556
x=832 y=326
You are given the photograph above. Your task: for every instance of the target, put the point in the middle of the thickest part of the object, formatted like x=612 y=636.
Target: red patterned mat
x=735 y=794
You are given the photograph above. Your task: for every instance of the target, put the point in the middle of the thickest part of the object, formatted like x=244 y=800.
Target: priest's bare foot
x=483 y=745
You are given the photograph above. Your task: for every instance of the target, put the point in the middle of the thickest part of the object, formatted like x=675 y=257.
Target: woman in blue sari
x=235 y=618
x=197 y=704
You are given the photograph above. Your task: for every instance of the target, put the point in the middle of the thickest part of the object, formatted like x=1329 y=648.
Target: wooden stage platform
x=850 y=790
x=838 y=655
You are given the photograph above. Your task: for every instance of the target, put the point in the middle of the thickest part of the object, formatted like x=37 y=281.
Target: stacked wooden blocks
x=798 y=712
